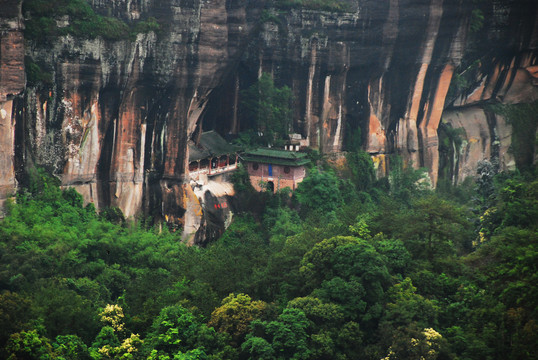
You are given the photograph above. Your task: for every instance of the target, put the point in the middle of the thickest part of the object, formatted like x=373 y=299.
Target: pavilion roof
x=275 y=156
x=211 y=145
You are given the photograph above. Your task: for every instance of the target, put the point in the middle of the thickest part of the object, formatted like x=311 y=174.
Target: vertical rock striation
x=12 y=81
x=504 y=74
x=115 y=121
x=114 y=118
x=384 y=69
x=387 y=69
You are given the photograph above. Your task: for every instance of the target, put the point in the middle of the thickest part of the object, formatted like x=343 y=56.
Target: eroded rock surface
x=115 y=122
x=115 y=119
x=485 y=135
x=12 y=81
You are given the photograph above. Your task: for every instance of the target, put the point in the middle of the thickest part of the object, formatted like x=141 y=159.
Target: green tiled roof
x=211 y=145
x=197 y=153
x=275 y=156
x=215 y=144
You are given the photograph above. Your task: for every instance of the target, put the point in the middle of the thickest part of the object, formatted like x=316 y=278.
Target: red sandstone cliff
x=115 y=119
x=12 y=81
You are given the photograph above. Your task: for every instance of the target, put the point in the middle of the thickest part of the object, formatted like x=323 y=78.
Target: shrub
x=83 y=21
x=35 y=74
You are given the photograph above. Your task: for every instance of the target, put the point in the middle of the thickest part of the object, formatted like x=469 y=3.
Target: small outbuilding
x=275 y=168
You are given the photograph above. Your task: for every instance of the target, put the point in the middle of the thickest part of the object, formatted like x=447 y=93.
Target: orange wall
x=279 y=178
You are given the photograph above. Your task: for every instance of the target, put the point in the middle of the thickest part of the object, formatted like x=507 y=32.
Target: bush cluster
x=43 y=16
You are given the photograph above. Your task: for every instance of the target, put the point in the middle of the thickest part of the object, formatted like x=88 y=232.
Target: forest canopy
x=373 y=269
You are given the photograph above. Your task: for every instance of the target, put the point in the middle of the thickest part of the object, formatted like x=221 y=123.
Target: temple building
x=275 y=169
x=211 y=156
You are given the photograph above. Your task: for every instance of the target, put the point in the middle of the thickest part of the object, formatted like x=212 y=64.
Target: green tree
x=231 y=263
x=288 y=332
x=317 y=264
x=475 y=321
x=509 y=261
x=349 y=272
x=112 y=342
x=397 y=257
x=284 y=338
x=417 y=344
x=281 y=222
x=332 y=336
x=322 y=315
x=361 y=168
x=270 y=109
x=241 y=180
x=235 y=315
x=15 y=313
x=319 y=192
x=176 y=331
x=518 y=204
x=258 y=348
x=405 y=306
x=432 y=228
x=70 y=347
x=63 y=309
x=27 y=345
x=407 y=182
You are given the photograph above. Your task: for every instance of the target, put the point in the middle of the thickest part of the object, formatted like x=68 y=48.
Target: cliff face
x=115 y=118
x=387 y=69
x=506 y=74
x=384 y=69
x=115 y=121
x=12 y=81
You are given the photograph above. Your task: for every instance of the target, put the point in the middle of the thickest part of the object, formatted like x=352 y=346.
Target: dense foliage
x=269 y=109
x=346 y=268
x=49 y=18
x=325 y=5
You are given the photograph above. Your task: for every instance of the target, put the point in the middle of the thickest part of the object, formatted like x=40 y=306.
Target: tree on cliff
x=269 y=108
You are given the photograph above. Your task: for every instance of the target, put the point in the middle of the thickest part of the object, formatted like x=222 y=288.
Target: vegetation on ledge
x=269 y=109
x=35 y=73
x=325 y=5
x=524 y=121
x=50 y=18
